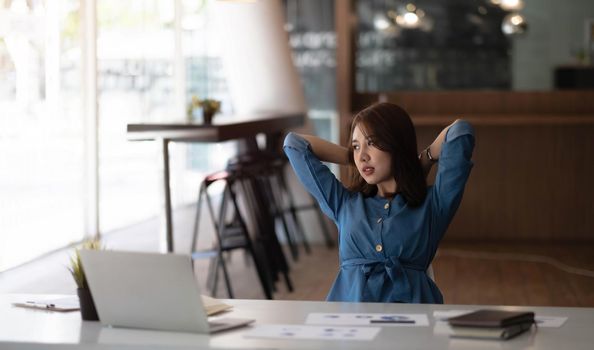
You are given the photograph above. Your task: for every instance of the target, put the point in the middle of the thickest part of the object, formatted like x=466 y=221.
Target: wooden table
x=225 y=128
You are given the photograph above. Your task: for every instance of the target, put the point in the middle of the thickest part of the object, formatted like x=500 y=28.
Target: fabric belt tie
x=374 y=272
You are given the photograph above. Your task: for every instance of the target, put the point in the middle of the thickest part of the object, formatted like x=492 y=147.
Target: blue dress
x=385 y=246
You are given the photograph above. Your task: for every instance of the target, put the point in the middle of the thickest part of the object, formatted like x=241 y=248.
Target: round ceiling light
x=514 y=24
x=512 y=5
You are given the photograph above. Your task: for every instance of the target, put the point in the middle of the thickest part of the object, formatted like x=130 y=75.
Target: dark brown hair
x=391 y=130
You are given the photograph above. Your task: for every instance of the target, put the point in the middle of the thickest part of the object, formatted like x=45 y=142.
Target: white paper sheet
x=62 y=304
x=549 y=321
x=541 y=321
x=372 y=319
x=288 y=331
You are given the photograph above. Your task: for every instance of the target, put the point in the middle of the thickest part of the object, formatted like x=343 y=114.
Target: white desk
x=35 y=329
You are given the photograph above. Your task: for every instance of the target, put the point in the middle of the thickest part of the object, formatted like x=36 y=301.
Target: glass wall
x=42 y=122
x=149 y=62
x=204 y=78
x=135 y=50
x=136 y=61
x=41 y=131
x=310 y=24
x=431 y=45
x=470 y=44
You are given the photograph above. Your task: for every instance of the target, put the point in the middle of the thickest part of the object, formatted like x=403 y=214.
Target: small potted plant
x=87 y=305
x=209 y=107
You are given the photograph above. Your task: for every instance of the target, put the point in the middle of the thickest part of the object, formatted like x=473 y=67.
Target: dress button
x=378 y=248
x=387 y=206
x=379 y=220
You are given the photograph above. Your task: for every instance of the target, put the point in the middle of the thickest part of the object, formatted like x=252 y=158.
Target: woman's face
x=374 y=165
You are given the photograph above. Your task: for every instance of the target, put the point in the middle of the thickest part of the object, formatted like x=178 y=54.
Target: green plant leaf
x=76 y=268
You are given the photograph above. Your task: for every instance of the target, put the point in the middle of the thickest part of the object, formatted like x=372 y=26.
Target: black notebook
x=490 y=332
x=492 y=318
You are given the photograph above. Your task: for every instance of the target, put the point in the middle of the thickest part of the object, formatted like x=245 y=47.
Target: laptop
x=149 y=291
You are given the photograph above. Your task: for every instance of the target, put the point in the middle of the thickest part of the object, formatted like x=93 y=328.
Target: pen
x=34 y=303
x=392 y=321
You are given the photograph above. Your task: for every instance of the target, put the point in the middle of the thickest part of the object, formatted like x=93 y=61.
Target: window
x=41 y=129
x=310 y=25
x=135 y=54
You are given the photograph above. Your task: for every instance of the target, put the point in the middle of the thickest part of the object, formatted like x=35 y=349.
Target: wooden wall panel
x=345 y=23
x=534 y=160
x=529 y=182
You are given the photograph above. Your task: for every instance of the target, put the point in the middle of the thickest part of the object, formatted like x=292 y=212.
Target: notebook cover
x=492 y=318
x=490 y=332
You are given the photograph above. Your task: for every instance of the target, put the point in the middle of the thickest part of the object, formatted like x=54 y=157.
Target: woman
x=389 y=222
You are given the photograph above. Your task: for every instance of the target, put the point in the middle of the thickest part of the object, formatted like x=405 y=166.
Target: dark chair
x=230 y=234
x=292 y=208
x=255 y=184
x=282 y=201
x=273 y=150
x=270 y=183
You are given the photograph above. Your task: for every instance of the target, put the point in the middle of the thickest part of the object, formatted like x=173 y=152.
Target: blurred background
x=74 y=73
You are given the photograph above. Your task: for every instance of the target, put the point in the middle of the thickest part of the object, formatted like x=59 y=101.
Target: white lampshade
x=257 y=57
x=512 y=5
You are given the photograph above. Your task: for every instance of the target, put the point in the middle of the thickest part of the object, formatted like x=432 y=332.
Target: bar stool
x=230 y=235
x=266 y=168
x=292 y=208
x=253 y=175
x=283 y=200
x=274 y=149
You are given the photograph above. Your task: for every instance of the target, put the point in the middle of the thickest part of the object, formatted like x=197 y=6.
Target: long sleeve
x=453 y=171
x=315 y=176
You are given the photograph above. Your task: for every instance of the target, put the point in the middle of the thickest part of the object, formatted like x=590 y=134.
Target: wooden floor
x=516 y=274
x=467 y=273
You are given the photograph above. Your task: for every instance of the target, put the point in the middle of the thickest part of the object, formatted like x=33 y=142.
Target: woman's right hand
x=434 y=149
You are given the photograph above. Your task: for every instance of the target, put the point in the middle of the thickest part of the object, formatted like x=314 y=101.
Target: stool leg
x=220 y=225
x=280 y=194
x=226 y=276
x=277 y=213
x=267 y=227
x=213 y=216
x=292 y=211
x=325 y=232
x=197 y=217
x=288 y=281
x=213 y=270
x=262 y=275
x=265 y=234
